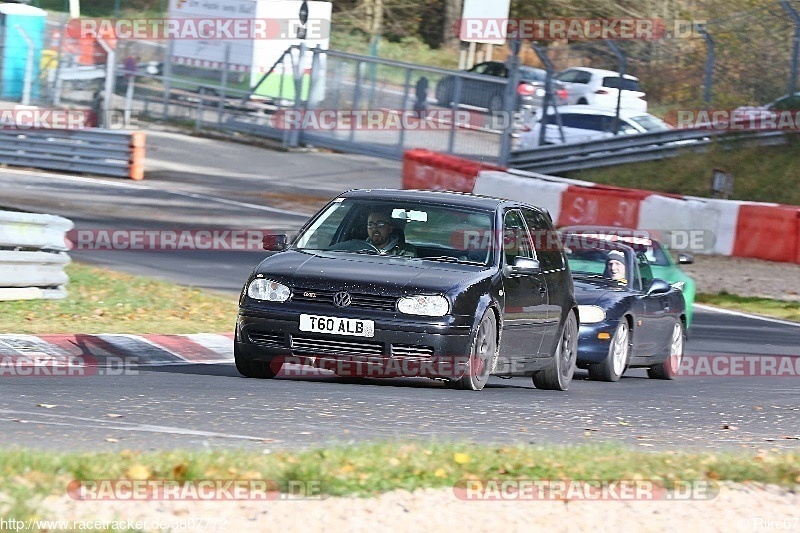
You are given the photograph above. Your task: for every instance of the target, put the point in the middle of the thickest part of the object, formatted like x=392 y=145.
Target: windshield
x=598 y=262
x=650 y=123
x=403 y=229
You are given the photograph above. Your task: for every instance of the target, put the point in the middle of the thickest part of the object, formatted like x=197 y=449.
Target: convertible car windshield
x=405 y=229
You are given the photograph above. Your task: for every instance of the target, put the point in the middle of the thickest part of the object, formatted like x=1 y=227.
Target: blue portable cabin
x=14 y=47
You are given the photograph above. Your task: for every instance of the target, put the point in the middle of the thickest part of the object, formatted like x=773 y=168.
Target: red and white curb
x=139 y=350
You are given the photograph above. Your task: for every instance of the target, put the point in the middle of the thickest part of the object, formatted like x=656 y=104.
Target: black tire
x=444 y=93
x=255 y=369
x=482 y=356
x=559 y=374
x=619 y=353
x=583 y=101
x=669 y=369
x=496 y=103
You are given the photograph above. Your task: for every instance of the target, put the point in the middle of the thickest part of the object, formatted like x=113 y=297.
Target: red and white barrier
x=740 y=229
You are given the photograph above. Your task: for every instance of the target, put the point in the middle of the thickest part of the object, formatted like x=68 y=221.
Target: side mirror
x=524 y=266
x=685 y=259
x=274 y=243
x=659 y=286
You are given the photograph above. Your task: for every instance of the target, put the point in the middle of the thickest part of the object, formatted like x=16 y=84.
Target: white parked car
x=600 y=88
x=582 y=123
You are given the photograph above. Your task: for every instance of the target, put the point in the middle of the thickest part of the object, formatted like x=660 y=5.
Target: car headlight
x=423 y=305
x=266 y=289
x=591 y=314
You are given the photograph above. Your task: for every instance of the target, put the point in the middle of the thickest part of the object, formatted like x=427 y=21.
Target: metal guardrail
x=93 y=151
x=33 y=256
x=629 y=149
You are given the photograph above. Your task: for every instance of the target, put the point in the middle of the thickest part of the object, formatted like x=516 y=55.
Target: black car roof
x=460 y=199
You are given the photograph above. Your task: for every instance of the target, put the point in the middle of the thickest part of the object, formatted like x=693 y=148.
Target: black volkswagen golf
x=385 y=283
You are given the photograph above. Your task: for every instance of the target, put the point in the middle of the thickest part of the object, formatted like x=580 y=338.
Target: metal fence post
x=623 y=63
x=222 y=97
x=510 y=102
x=167 y=77
x=59 y=59
x=109 y=85
x=27 y=81
x=548 y=99
x=795 y=44
x=710 y=59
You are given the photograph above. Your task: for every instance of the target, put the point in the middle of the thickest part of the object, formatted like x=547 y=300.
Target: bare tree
x=452 y=13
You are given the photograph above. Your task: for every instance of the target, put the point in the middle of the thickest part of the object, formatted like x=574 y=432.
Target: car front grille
x=359 y=300
x=267 y=338
x=410 y=350
x=310 y=346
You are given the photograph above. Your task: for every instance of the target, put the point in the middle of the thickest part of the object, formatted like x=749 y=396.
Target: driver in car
x=615 y=266
x=386 y=236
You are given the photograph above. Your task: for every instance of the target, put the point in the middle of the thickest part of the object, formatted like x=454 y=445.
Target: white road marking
x=119 y=426
x=746 y=315
x=125 y=185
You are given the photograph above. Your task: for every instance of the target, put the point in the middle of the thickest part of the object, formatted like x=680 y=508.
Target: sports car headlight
x=266 y=289
x=591 y=314
x=423 y=305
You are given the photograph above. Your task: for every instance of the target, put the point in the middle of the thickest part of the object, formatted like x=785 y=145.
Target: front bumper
x=591 y=349
x=407 y=346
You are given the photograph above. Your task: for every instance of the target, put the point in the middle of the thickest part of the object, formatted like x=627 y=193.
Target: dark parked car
x=438 y=296
x=628 y=317
x=489 y=93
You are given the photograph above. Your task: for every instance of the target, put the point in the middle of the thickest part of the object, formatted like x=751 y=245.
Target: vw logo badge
x=341 y=299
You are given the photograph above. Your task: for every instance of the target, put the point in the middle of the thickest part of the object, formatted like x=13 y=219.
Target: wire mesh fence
x=744 y=57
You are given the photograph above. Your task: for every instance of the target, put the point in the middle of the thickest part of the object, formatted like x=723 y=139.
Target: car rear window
x=614 y=82
x=532 y=74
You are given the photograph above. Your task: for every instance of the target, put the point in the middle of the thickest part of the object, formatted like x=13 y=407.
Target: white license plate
x=337 y=325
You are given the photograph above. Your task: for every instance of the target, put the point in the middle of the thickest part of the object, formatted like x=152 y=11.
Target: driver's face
x=617 y=269
x=379 y=228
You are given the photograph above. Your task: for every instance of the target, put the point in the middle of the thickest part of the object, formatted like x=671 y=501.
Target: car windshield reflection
x=409 y=230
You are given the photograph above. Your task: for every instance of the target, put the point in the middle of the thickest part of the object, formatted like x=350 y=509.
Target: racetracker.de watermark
x=38 y=118
x=740 y=119
x=591 y=490
x=41 y=365
x=573 y=29
x=246 y=240
x=387 y=120
x=197 y=28
x=731 y=365
x=194 y=490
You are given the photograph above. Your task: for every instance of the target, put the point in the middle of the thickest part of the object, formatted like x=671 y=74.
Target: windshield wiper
x=451 y=259
x=588 y=275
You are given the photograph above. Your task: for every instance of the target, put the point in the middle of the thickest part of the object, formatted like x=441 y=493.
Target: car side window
x=566 y=76
x=581 y=121
x=582 y=77
x=516 y=241
x=496 y=69
x=645 y=272
x=546 y=241
x=480 y=68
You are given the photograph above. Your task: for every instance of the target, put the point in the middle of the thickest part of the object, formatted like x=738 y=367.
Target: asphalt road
x=201 y=406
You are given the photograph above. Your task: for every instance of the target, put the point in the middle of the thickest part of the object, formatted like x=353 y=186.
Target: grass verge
x=371 y=469
x=786 y=310
x=761 y=173
x=102 y=301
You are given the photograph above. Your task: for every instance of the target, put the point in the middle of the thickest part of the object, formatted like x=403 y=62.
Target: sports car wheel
x=256 y=369
x=613 y=366
x=482 y=355
x=669 y=368
x=559 y=375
